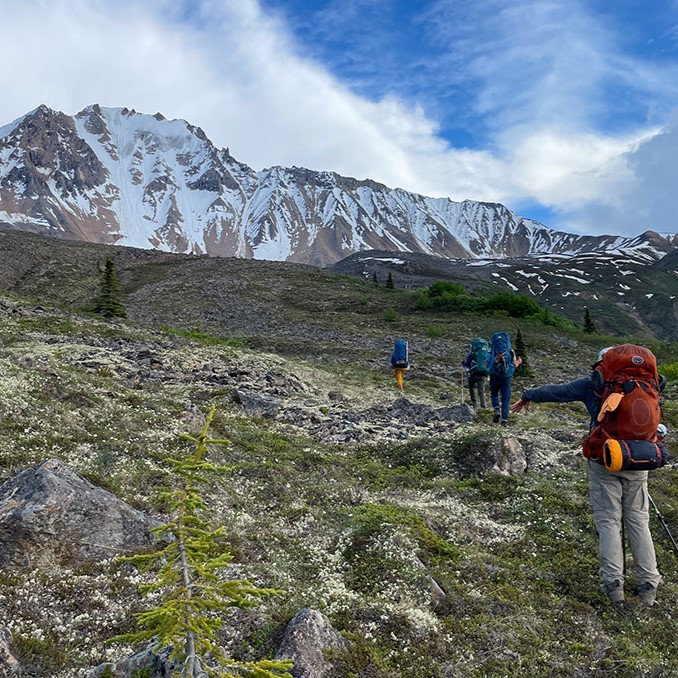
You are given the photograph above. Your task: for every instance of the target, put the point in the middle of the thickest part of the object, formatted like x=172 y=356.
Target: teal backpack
x=480 y=351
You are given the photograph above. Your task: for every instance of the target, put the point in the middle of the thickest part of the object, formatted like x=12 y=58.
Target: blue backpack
x=399 y=357
x=501 y=355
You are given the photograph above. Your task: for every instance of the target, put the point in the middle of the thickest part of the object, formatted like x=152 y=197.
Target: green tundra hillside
x=383 y=511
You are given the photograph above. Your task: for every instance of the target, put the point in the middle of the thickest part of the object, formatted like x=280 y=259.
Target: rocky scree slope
x=268 y=304
x=625 y=294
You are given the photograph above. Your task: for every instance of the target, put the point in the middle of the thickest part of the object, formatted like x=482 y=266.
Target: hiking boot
x=504 y=423
x=613 y=590
x=647 y=593
x=496 y=418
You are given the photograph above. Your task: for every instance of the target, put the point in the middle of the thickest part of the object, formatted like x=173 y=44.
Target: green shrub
x=390 y=315
x=670 y=371
x=516 y=305
x=443 y=288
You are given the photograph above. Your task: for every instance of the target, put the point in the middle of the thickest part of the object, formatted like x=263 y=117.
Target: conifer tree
x=389 y=281
x=191 y=595
x=524 y=369
x=375 y=280
x=589 y=327
x=109 y=303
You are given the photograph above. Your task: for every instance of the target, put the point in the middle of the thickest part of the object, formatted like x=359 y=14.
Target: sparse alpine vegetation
x=378 y=511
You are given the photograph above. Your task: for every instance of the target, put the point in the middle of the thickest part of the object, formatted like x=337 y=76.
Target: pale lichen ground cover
x=344 y=529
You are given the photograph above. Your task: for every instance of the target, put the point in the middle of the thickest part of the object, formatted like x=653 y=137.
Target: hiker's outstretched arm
x=559 y=393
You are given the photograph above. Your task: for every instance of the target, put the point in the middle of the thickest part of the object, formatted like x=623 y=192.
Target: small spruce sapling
x=109 y=304
x=389 y=281
x=192 y=595
x=589 y=326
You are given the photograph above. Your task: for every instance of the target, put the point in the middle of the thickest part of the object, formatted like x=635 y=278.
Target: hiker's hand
x=520 y=405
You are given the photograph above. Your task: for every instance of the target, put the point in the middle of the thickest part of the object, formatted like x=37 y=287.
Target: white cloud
x=539 y=72
x=230 y=69
x=569 y=111
x=642 y=192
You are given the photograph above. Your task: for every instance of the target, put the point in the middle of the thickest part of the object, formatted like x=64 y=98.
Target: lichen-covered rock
x=509 y=457
x=257 y=404
x=421 y=414
x=50 y=516
x=307 y=636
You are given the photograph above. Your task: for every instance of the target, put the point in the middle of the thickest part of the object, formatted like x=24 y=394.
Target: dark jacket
x=579 y=390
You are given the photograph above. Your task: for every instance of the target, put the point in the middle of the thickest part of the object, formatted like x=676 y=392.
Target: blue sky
x=563 y=110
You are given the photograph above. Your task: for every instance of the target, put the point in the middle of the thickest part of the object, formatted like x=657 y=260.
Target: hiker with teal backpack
x=475 y=363
x=502 y=363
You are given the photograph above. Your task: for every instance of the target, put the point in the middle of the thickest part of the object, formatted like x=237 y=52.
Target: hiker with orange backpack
x=622 y=396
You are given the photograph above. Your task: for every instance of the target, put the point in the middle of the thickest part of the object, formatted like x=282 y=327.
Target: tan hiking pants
x=616 y=497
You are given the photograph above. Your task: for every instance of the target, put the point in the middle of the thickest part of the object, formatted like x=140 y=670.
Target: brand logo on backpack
x=627 y=383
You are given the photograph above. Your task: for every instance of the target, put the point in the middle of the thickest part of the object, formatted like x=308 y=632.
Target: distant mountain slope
x=241 y=297
x=114 y=176
x=623 y=293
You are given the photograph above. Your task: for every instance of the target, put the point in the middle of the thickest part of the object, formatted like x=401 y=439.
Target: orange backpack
x=627 y=382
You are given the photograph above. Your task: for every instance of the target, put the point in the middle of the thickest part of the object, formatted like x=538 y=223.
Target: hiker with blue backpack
x=477 y=370
x=400 y=361
x=502 y=363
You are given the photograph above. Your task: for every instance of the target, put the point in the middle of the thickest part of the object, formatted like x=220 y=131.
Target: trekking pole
x=663 y=522
x=461 y=384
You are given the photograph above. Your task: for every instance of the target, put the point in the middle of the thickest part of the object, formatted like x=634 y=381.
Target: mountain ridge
x=115 y=176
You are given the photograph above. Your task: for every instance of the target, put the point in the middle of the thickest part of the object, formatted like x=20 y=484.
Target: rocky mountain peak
x=116 y=175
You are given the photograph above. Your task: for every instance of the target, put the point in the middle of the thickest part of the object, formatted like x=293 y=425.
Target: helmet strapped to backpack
x=627 y=382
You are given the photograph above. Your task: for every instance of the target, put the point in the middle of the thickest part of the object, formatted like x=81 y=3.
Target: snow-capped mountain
x=112 y=175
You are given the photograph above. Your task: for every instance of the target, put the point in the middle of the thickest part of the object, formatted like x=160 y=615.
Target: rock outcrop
x=50 y=516
x=308 y=635
x=9 y=664
x=509 y=457
x=145 y=663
